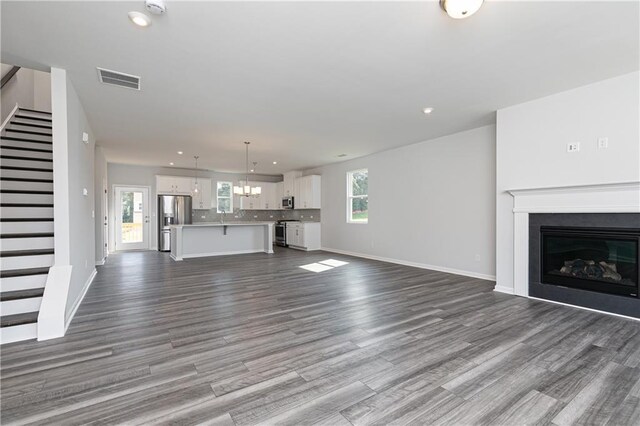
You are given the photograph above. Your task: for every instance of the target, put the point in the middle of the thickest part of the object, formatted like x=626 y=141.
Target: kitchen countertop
x=207 y=224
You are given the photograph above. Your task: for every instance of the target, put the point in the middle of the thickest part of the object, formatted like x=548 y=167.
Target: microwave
x=287 y=203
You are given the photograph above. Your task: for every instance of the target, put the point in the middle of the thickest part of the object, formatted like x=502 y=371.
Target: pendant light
x=246 y=190
x=195 y=190
x=460 y=9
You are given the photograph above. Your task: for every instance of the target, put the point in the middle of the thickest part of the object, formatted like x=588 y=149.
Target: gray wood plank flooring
x=255 y=339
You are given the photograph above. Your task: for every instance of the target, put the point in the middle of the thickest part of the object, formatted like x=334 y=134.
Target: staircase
x=26 y=220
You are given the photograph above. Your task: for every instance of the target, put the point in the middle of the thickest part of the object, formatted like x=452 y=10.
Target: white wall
x=125 y=174
x=431 y=204
x=29 y=89
x=81 y=207
x=532 y=148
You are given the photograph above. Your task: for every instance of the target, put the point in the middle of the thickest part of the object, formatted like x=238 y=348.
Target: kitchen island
x=219 y=239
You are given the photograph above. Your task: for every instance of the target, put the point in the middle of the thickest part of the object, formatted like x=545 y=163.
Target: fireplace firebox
x=586 y=259
x=604 y=260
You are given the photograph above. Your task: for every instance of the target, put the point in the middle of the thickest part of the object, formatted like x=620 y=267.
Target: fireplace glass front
x=602 y=260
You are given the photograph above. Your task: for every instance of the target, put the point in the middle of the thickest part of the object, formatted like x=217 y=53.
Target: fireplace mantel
x=601 y=198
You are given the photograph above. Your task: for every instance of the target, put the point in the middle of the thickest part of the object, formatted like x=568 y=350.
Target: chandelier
x=246 y=190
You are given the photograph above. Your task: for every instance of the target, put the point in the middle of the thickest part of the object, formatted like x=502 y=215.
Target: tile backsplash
x=306 y=215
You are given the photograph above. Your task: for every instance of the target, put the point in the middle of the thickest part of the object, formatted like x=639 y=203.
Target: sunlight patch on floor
x=324 y=265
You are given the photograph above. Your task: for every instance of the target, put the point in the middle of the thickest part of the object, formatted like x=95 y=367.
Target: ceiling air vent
x=119 y=79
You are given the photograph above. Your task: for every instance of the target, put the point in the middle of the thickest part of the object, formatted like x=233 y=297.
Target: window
x=224 y=197
x=358 y=196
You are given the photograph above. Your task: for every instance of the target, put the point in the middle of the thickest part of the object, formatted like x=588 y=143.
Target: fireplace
x=604 y=260
x=586 y=259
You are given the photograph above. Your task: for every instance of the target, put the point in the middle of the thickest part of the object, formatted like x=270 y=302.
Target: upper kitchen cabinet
x=202 y=198
x=173 y=185
x=180 y=185
x=307 y=193
x=289 y=183
x=269 y=198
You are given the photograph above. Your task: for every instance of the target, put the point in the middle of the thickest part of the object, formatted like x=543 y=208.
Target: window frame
x=218 y=197
x=351 y=197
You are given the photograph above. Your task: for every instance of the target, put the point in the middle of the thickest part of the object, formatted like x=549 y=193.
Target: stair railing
x=8 y=76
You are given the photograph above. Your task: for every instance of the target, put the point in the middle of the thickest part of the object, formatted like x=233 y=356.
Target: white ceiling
x=305 y=82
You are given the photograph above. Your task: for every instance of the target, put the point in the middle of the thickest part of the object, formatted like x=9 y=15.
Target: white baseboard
x=583 y=308
x=415 y=264
x=101 y=262
x=80 y=298
x=503 y=289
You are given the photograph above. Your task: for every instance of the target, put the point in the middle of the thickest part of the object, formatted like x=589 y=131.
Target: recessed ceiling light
x=171 y=164
x=427 y=110
x=180 y=152
x=140 y=19
x=460 y=9
x=342 y=155
x=251 y=170
x=275 y=162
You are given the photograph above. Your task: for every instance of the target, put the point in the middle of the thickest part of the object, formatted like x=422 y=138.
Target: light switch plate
x=603 y=143
x=85 y=192
x=85 y=137
x=573 y=147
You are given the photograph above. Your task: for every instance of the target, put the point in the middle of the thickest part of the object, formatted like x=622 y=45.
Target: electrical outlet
x=203 y=217
x=573 y=147
x=603 y=143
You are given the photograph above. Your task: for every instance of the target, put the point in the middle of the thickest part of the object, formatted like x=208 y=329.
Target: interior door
x=132 y=218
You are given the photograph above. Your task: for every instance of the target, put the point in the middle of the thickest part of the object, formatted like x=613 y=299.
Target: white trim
x=9 y=117
x=101 y=262
x=583 y=308
x=114 y=232
x=414 y=264
x=79 y=300
x=503 y=289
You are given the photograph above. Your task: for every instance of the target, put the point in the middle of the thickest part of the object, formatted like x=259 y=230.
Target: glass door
x=132 y=218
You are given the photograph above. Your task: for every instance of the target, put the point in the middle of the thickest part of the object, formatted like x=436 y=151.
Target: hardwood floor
x=255 y=339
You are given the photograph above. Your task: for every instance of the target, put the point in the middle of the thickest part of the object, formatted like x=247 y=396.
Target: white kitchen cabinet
x=267 y=200
x=303 y=235
x=279 y=194
x=173 y=185
x=202 y=199
x=307 y=192
x=289 y=183
x=251 y=203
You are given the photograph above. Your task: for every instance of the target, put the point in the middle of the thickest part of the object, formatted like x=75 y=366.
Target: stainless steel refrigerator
x=172 y=210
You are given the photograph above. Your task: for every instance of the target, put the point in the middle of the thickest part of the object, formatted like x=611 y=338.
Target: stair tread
x=32 y=118
x=26 y=219
x=33 y=252
x=18 y=319
x=34 y=110
x=19 y=179
x=15 y=157
x=30 y=169
x=24 y=148
x=24 y=272
x=28 y=132
x=21 y=294
x=28 y=235
x=38 y=126
x=25 y=192
x=26 y=205
x=13 y=138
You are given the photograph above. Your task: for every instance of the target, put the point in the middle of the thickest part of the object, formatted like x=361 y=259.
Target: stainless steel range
x=281 y=232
